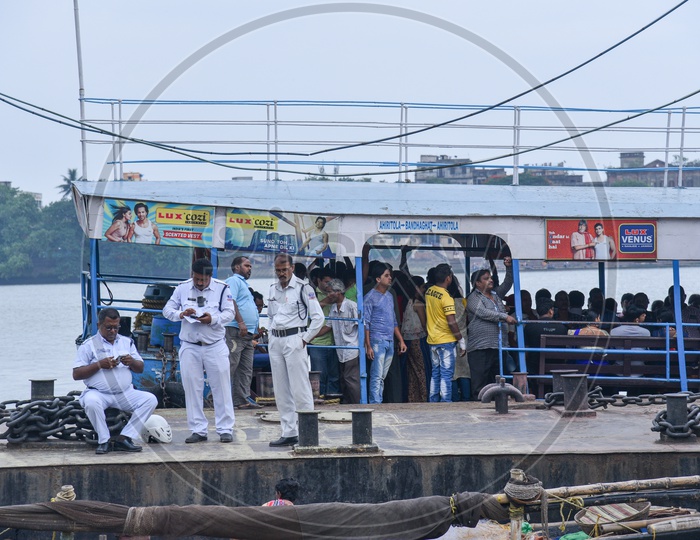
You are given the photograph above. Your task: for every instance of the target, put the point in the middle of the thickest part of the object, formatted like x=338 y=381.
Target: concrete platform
x=424 y=449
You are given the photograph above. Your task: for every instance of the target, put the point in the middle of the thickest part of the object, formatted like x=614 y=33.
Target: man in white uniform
x=105 y=363
x=205 y=306
x=290 y=305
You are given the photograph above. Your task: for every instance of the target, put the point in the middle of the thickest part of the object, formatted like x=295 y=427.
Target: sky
x=404 y=51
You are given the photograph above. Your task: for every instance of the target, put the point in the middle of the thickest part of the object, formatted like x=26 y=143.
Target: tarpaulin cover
x=426 y=517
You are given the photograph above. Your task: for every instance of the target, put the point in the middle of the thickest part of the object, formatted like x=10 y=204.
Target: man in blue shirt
x=380 y=329
x=239 y=334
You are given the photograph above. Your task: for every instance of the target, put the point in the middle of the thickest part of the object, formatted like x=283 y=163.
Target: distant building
x=555 y=175
x=38 y=197
x=454 y=171
x=133 y=177
x=651 y=174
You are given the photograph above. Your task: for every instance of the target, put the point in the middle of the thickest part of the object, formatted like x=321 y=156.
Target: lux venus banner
x=591 y=239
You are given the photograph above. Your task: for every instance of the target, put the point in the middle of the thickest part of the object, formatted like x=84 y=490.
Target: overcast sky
x=130 y=47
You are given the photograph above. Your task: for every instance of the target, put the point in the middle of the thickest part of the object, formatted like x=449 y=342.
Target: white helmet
x=156 y=429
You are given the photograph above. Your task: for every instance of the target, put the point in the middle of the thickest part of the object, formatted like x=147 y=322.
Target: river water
x=38 y=332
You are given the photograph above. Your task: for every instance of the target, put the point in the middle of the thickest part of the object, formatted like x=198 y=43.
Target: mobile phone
x=120 y=358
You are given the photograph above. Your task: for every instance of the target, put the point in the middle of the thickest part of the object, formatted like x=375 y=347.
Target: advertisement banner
x=143 y=222
x=281 y=232
x=591 y=239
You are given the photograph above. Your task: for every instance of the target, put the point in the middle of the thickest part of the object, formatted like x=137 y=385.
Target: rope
x=523 y=492
x=66 y=494
x=576 y=502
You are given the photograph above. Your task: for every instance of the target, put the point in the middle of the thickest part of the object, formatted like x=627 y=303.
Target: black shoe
x=125 y=445
x=195 y=437
x=102 y=448
x=248 y=406
x=226 y=437
x=285 y=441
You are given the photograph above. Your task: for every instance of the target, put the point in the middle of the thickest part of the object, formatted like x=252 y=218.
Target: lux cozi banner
x=592 y=239
x=143 y=222
x=281 y=232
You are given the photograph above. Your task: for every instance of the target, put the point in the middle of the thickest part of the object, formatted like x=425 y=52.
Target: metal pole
x=516 y=145
x=601 y=276
x=522 y=366
x=401 y=132
x=81 y=87
x=94 y=286
x=361 y=331
x=678 y=317
x=215 y=262
x=121 y=143
x=668 y=144
x=680 y=157
x=267 y=107
x=114 y=145
x=276 y=144
x=405 y=146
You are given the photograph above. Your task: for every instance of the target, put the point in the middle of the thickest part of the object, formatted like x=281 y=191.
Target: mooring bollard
x=141 y=340
x=42 y=389
x=520 y=381
x=557 y=385
x=575 y=388
x=168 y=341
x=677 y=409
x=673 y=424
x=362 y=426
x=308 y=428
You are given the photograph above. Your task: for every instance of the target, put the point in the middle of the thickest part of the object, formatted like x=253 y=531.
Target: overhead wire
x=81 y=125
x=95 y=129
x=512 y=98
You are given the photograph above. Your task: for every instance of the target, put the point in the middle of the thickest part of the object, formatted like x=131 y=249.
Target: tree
x=19 y=217
x=65 y=186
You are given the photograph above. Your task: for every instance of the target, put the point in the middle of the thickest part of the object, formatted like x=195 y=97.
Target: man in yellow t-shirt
x=443 y=334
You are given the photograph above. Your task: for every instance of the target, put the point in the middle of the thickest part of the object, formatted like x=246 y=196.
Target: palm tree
x=65 y=187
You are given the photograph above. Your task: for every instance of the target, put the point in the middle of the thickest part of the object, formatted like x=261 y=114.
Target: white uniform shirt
x=344 y=332
x=286 y=310
x=217 y=302
x=109 y=381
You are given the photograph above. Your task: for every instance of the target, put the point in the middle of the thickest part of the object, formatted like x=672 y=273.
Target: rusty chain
x=596 y=399
x=691 y=427
x=61 y=417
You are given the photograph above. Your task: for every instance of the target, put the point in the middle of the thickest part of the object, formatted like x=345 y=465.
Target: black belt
x=287 y=332
x=200 y=343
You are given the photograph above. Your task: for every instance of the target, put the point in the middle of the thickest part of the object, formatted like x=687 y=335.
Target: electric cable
x=81 y=125
x=500 y=103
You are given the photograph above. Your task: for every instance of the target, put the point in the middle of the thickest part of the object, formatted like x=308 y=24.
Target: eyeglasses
x=111 y=328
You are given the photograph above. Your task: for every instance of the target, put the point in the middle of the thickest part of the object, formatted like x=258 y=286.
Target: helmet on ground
x=156 y=429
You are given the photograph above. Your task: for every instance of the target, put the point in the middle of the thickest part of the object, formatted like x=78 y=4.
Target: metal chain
x=62 y=417
x=691 y=427
x=166 y=398
x=596 y=399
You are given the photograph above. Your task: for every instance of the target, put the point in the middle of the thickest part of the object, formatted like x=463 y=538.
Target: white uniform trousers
x=290 y=378
x=194 y=361
x=140 y=404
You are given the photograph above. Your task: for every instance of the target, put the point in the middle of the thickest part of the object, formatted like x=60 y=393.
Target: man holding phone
x=105 y=363
x=205 y=306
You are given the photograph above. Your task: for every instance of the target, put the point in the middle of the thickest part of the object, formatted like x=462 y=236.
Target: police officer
x=291 y=305
x=105 y=363
x=205 y=306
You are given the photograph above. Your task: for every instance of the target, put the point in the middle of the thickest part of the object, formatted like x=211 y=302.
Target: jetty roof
x=408 y=199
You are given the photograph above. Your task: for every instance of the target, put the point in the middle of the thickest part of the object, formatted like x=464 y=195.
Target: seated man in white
x=104 y=363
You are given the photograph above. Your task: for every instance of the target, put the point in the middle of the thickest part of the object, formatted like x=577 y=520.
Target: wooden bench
x=620 y=362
